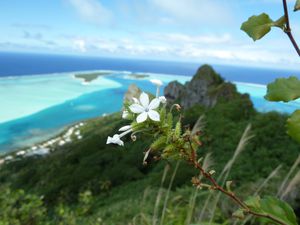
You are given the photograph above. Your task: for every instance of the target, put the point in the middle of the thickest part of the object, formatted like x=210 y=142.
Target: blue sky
x=183 y=30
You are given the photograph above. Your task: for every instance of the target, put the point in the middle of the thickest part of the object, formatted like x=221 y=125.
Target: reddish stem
x=215 y=186
x=288 y=29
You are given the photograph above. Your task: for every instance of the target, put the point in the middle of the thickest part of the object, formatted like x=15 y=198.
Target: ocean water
x=18 y=64
x=40 y=96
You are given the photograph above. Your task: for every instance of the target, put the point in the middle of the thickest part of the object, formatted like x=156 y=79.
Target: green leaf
x=274 y=207
x=293 y=125
x=207 y=223
x=228 y=185
x=283 y=89
x=280 y=22
x=279 y=209
x=254 y=203
x=159 y=143
x=239 y=214
x=170 y=120
x=178 y=129
x=297 y=6
x=257 y=26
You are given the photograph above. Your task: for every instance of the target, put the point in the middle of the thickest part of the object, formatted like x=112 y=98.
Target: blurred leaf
x=279 y=209
x=178 y=129
x=297 y=6
x=293 y=125
x=274 y=207
x=206 y=223
x=254 y=203
x=284 y=89
x=257 y=26
x=239 y=214
x=228 y=185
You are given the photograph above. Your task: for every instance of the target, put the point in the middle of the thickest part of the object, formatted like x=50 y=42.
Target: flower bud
x=133 y=137
x=178 y=107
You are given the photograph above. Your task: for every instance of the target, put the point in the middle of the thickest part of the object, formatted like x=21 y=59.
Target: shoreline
x=95 y=101
x=127 y=74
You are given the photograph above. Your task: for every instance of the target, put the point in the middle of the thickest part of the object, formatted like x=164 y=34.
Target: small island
x=138 y=76
x=88 y=77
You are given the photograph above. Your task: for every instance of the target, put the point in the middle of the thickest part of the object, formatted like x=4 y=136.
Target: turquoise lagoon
x=34 y=108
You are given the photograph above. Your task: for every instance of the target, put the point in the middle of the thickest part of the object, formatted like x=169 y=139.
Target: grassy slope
x=88 y=163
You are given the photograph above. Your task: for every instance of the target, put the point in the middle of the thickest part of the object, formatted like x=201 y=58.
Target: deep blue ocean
x=17 y=64
x=39 y=126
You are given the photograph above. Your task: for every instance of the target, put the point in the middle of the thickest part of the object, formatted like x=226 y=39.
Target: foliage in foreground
x=118 y=182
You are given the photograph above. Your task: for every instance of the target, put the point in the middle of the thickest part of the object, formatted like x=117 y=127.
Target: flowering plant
x=151 y=115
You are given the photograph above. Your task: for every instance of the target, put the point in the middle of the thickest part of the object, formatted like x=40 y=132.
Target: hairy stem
x=288 y=29
x=231 y=195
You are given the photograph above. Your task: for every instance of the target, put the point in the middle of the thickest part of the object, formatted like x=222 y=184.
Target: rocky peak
x=205 y=88
x=207 y=73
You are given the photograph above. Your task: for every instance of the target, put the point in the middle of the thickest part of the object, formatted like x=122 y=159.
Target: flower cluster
x=142 y=110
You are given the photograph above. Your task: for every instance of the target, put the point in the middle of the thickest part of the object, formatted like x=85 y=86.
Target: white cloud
x=80 y=45
x=92 y=11
x=197 y=11
x=192 y=39
x=189 y=48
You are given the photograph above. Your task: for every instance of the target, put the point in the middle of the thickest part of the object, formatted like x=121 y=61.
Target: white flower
x=144 y=109
x=125 y=114
x=115 y=140
x=125 y=128
x=156 y=82
x=162 y=99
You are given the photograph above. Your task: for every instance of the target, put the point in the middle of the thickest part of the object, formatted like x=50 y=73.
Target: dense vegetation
x=89 y=182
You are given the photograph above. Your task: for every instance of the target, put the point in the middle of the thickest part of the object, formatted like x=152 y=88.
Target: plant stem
x=287 y=29
x=216 y=186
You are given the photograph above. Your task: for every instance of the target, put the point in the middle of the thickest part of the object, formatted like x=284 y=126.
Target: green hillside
x=93 y=183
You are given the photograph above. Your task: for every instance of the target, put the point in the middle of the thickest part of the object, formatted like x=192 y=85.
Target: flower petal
x=154 y=115
x=109 y=140
x=136 y=108
x=144 y=99
x=154 y=104
x=127 y=127
x=125 y=114
x=115 y=140
x=135 y=100
x=162 y=99
x=156 y=82
x=120 y=142
x=142 y=117
x=116 y=137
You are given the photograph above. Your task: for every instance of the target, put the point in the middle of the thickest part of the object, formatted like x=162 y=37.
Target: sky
x=177 y=30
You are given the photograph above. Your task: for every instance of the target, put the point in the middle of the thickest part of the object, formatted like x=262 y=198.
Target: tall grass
x=159 y=195
x=260 y=188
x=225 y=173
x=266 y=181
x=287 y=177
x=295 y=181
x=199 y=125
x=207 y=163
x=212 y=200
x=168 y=193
